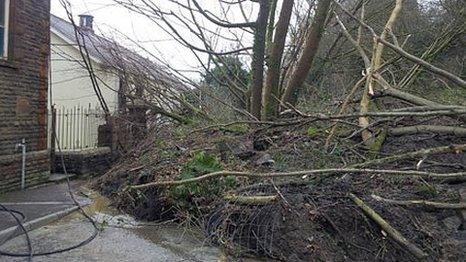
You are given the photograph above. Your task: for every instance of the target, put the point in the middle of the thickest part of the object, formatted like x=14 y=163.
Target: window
x=4 y=18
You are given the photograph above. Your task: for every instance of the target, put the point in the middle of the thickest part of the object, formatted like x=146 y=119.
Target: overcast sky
x=109 y=16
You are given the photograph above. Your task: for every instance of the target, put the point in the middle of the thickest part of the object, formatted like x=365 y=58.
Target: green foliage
x=229 y=68
x=312 y=132
x=228 y=80
x=239 y=129
x=103 y=225
x=201 y=164
x=427 y=191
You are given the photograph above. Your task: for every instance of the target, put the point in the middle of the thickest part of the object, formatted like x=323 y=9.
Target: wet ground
x=121 y=238
x=38 y=202
x=147 y=243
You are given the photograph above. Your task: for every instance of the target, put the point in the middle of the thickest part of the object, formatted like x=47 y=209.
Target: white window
x=4 y=18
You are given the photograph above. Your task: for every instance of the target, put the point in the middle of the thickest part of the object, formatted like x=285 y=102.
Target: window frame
x=5 y=29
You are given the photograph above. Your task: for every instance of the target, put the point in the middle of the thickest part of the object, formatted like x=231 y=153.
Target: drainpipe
x=22 y=145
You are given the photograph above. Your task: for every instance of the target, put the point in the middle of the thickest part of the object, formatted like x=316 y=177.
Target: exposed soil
x=313 y=219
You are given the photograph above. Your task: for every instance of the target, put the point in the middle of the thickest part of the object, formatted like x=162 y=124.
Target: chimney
x=86 y=22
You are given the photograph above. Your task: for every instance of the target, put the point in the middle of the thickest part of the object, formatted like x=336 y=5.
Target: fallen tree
x=241 y=200
x=250 y=200
x=447 y=130
x=392 y=232
x=415 y=154
x=303 y=174
x=421 y=203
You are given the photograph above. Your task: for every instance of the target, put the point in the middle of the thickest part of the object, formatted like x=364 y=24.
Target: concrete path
x=120 y=238
x=114 y=244
x=38 y=202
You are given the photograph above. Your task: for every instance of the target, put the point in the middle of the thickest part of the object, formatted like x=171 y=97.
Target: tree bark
x=408 y=97
x=375 y=64
x=411 y=155
x=250 y=200
x=388 y=90
x=307 y=57
x=409 y=130
x=303 y=174
x=421 y=203
x=271 y=90
x=258 y=58
x=270 y=26
x=392 y=232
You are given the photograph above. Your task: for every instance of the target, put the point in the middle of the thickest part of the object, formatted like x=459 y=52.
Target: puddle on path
x=121 y=238
x=189 y=244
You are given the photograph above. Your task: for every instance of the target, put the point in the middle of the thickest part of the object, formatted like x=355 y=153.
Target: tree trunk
x=310 y=49
x=409 y=130
x=271 y=92
x=270 y=26
x=257 y=65
x=364 y=122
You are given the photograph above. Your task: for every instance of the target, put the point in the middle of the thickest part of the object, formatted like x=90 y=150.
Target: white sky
x=108 y=15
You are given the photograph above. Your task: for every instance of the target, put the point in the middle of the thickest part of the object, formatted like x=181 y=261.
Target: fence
x=76 y=128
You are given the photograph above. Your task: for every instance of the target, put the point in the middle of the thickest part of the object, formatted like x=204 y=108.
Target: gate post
x=53 y=138
x=108 y=135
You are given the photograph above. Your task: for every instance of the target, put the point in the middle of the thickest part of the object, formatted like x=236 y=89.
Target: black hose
x=11 y=212
x=29 y=255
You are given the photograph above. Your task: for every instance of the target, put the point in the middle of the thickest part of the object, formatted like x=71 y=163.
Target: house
x=71 y=85
x=79 y=111
x=119 y=74
x=24 y=65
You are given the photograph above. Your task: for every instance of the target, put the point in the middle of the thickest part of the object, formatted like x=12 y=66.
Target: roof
x=108 y=53
x=100 y=49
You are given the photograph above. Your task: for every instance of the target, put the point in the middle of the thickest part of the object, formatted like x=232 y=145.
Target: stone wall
x=85 y=162
x=23 y=90
x=37 y=170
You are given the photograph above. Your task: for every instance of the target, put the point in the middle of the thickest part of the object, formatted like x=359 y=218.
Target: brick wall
x=23 y=90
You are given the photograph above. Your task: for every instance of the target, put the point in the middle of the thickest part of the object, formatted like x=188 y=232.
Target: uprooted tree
x=283 y=51
x=285 y=37
x=357 y=71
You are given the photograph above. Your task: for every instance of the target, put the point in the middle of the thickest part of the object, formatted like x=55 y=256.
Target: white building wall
x=79 y=112
x=70 y=85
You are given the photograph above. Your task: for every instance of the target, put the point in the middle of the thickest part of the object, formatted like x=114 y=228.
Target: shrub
x=201 y=164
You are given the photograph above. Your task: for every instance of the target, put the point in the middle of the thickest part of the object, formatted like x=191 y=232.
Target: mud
x=314 y=220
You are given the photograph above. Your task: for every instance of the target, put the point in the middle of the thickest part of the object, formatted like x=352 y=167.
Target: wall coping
x=86 y=152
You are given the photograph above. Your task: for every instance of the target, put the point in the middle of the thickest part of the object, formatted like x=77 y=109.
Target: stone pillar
x=137 y=117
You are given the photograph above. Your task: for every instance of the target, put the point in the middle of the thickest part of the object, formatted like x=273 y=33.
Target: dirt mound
x=311 y=219
x=320 y=222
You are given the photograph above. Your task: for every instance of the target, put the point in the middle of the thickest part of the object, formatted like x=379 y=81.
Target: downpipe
x=22 y=145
